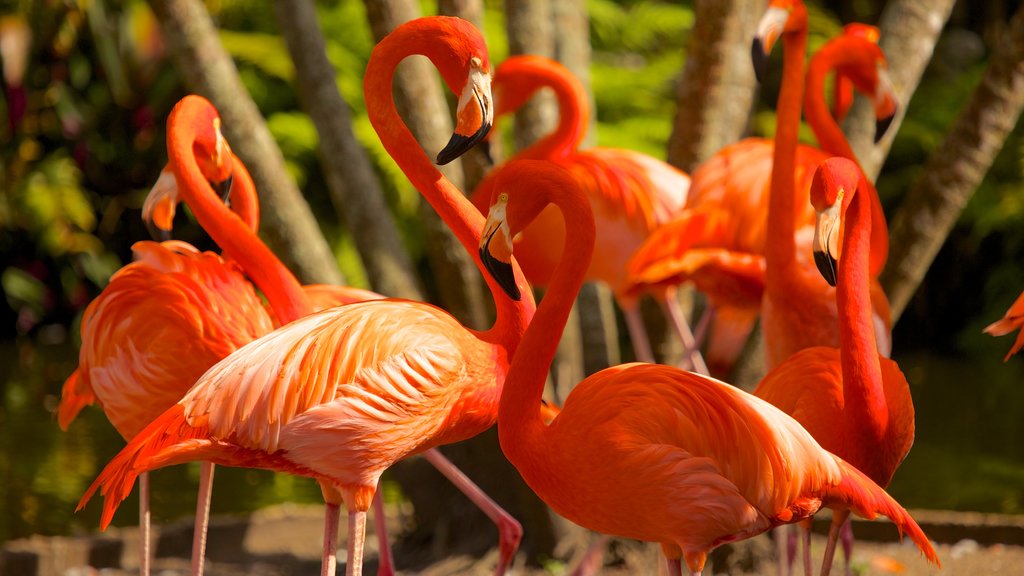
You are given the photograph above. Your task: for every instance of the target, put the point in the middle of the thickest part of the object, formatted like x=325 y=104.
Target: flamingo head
x=782 y=16
x=521 y=190
x=832 y=188
x=466 y=70
x=863 y=62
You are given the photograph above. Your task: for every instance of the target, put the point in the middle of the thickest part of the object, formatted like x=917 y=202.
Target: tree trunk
x=956 y=168
x=717 y=87
x=288 y=223
x=421 y=103
x=353 y=185
x=910 y=29
x=529 y=27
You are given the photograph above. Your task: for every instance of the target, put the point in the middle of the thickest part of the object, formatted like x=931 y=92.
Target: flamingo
x=719 y=241
x=854 y=401
x=842 y=88
x=342 y=394
x=647 y=451
x=1012 y=320
x=172 y=313
x=631 y=194
x=799 y=308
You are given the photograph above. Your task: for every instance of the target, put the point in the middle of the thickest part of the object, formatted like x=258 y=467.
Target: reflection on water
x=968 y=455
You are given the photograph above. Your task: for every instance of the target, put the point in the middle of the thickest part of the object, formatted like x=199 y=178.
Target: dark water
x=968 y=455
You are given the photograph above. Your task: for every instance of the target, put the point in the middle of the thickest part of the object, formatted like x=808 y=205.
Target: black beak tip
x=826 y=266
x=760 y=59
x=882 y=126
x=157 y=233
x=459 y=144
x=502 y=274
x=224 y=189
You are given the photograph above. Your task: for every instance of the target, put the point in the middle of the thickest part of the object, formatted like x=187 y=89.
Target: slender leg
x=510 y=532
x=144 y=525
x=329 y=563
x=691 y=352
x=638 y=334
x=385 y=562
x=805 y=531
x=356 y=537
x=838 y=517
x=846 y=539
x=781 y=535
x=593 y=557
x=700 y=331
x=202 y=522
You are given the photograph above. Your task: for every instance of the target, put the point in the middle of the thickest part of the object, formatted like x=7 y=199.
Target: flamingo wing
x=1012 y=320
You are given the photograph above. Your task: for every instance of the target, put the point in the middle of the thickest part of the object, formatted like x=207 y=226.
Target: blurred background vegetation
x=88 y=86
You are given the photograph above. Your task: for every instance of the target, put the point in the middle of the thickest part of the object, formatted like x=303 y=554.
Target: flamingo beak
x=475 y=114
x=768 y=31
x=160 y=206
x=826 y=240
x=886 y=103
x=224 y=189
x=496 y=249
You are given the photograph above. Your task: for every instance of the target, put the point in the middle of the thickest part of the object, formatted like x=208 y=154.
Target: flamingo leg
x=700 y=331
x=202 y=522
x=782 y=549
x=593 y=557
x=838 y=517
x=638 y=334
x=846 y=539
x=356 y=539
x=805 y=530
x=386 y=562
x=329 y=562
x=144 y=525
x=691 y=352
x=510 y=532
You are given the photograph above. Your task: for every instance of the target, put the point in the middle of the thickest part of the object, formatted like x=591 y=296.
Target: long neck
x=519 y=419
x=235 y=238
x=244 y=201
x=449 y=202
x=862 y=375
x=573 y=113
x=832 y=140
x=781 y=246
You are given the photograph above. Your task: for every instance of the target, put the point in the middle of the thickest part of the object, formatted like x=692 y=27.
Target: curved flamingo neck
x=519 y=418
x=573 y=109
x=830 y=136
x=244 y=201
x=781 y=246
x=864 y=397
x=235 y=238
x=449 y=202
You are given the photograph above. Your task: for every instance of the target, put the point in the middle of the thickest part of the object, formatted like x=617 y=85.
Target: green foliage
x=50 y=203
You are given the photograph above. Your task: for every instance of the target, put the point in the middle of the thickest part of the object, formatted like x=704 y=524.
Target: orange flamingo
x=842 y=88
x=1012 y=320
x=174 y=312
x=631 y=194
x=647 y=451
x=719 y=241
x=342 y=394
x=854 y=401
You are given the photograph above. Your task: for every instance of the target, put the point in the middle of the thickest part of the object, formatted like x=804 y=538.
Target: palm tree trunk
x=288 y=224
x=353 y=185
x=956 y=168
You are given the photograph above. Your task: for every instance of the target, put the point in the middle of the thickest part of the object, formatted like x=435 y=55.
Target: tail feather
x=167 y=440
x=73 y=397
x=866 y=499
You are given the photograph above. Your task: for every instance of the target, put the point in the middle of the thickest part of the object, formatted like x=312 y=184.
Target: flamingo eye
x=503 y=197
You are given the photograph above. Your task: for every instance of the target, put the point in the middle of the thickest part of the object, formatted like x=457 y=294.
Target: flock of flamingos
x=338 y=384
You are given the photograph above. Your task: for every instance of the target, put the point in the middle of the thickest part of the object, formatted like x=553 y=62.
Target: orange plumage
x=648 y=451
x=631 y=193
x=1012 y=320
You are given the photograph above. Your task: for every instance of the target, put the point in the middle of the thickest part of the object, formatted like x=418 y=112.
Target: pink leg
x=329 y=562
x=202 y=522
x=846 y=539
x=781 y=535
x=385 y=562
x=700 y=331
x=691 y=352
x=510 y=532
x=638 y=334
x=356 y=538
x=593 y=558
x=838 y=517
x=806 y=533
x=675 y=567
x=144 y=525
